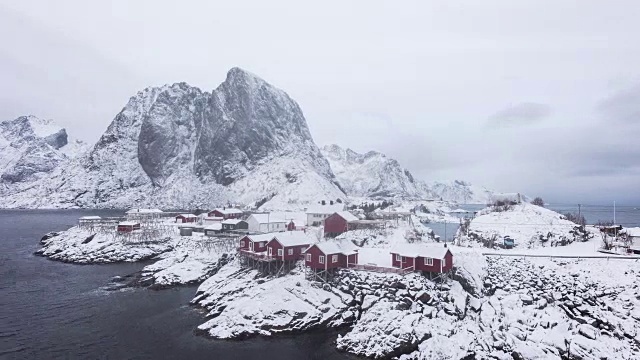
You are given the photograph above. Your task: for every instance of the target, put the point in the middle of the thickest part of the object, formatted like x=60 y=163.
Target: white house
x=266 y=223
x=317 y=213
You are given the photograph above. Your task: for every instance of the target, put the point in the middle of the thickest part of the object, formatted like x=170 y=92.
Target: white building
x=265 y=223
x=317 y=213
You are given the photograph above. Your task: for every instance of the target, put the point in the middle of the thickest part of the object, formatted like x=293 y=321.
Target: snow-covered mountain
x=372 y=174
x=31 y=148
x=376 y=175
x=177 y=146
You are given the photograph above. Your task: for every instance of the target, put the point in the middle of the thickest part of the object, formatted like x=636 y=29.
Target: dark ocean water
x=53 y=310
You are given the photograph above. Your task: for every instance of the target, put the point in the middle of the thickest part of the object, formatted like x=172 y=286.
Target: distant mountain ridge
x=176 y=146
x=179 y=147
x=374 y=174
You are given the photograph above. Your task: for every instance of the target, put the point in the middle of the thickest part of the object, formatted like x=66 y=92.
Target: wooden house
x=422 y=257
x=226 y=213
x=255 y=243
x=213 y=229
x=289 y=246
x=296 y=225
x=317 y=214
x=128 y=226
x=186 y=218
x=330 y=255
x=234 y=224
x=266 y=223
x=338 y=223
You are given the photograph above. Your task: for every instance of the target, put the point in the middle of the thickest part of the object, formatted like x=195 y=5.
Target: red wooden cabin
x=186 y=218
x=128 y=226
x=226 y=213
x=338 y=223
x=288 y=246
x=255 y=243
x=422 y=257
x=331 y=255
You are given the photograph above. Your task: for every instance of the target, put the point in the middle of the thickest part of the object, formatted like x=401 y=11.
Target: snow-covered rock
x=528 y=225
x=242 y=303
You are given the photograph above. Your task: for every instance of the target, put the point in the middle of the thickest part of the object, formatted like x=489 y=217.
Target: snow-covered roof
x=213 y=218
x=268 y=218
x=93 y=217
x=633 y=232
x=325 y=209
x=128 y=223
x=420 y=250
x=261 y=237
x=217 y=226
x=347 y=216
x=188 y=216
x=229 y=211
x=232 y=221
x=294 y=238
x=144 y=211
x=337 y=247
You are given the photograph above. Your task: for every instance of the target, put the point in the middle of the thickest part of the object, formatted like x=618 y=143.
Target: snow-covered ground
x=493 y=307
x=528 y=225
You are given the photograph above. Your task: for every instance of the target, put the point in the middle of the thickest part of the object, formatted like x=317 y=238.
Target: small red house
x=128 y=226
x=338 y=223
x=289 y=246
x=331 y=255
x=186 y=218
x=226 y=213
x=255 y=243
x=422 y=257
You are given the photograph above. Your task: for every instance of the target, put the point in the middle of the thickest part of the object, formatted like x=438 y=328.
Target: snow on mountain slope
x=31 y=148
x=179 y=147
x=375 y=175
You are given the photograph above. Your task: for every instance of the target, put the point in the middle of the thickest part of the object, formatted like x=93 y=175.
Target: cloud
x=520 y=114
x=624 y=106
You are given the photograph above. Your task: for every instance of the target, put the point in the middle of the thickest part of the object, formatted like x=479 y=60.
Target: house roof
x=128 y=223
x=90 y=217
x=337 y=247
x=325 y=209
x=187 y=215
x=633 y=232
x=268 y=218
x=144 y=211
x=261 y=237
x=232 y=221
x=414 y=250
x=213 y=218
x=217 y=226
x=294 y=238
x=347 y=216
x=228 y=211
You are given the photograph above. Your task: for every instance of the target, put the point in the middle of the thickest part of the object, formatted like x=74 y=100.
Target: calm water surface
x=53 y=310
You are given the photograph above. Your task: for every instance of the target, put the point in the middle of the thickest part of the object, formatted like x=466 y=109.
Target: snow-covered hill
x=374 y=175
x=177 y=146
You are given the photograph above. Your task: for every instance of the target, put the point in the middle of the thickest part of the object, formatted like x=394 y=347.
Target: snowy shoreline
x=492 y=308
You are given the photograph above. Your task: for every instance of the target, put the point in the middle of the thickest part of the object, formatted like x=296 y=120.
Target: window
x=280 y=252
x=398 y=258
x=334 y=258
x=428 y=261
x=290 y=252
x=309 y=257
x=321 y=259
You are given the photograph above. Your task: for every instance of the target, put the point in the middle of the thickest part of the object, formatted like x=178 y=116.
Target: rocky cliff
x=177 y=146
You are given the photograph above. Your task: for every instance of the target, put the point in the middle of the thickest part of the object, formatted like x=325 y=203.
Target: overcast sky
x=541 y=97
